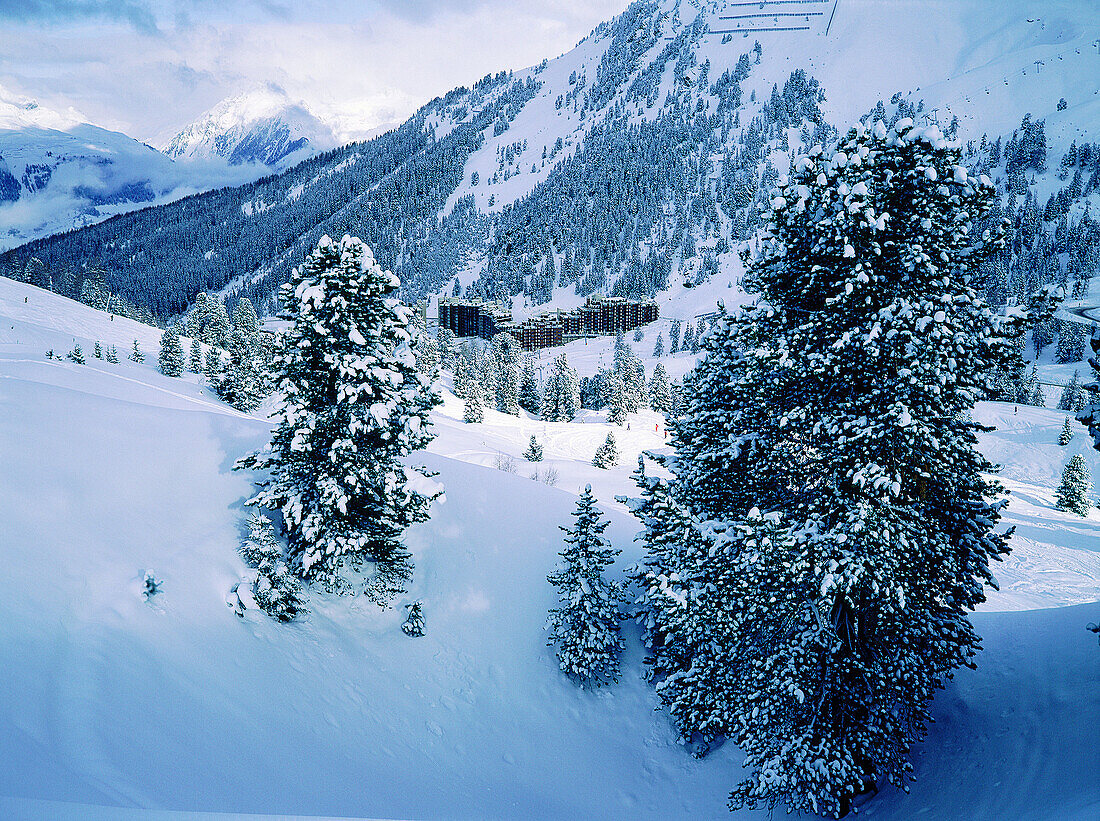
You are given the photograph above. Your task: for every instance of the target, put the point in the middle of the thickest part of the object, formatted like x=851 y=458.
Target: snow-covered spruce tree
x=111 y=355
x=135 y=353
x=97 y=350
x=76 y=354
x=1072 y=495
x=214 y=369
x=659 y=347
x=585 y=627
x=244 y=318
x=354 y=406
x=1073 y=396
x=561 y=398
x=607 y=454
x=529 y=398
x=194 y=362
x=170 y=358
x=1066 y=435
x=242 y=383
x=660 y=390
x=534 y=451
x=617 y=401
x=839 y=403
x=474 y=409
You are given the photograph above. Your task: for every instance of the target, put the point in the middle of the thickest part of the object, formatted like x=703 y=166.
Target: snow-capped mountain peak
x=17 y=111
x=261 y=126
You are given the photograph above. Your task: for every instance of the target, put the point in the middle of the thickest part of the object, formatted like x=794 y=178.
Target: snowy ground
x=113 y=704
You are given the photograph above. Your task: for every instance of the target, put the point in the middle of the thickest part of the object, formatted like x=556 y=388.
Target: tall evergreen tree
x=840 y=406
x=474 y=408
x=76 y=354
x=135 y=353
x=617 y=401
x=660 y=391
x=561 y=399
x=244 y=319
x=242 y=383
x=529 y=398
x=1073 y=396
x=170 y=358
x=585 y=626
x=194 y=363
x=111 y=355
x=97 y=350
x=354 y=407
x=1072 y=494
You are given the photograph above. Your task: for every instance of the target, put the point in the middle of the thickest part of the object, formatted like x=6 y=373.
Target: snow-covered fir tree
x=838 y=406
x=534 y=451
x=241 y=381
x=585 y=626
x=111 y=355
x=1073 y=395
x=529 y=398
x=76 y=354
x=505 y=357
x=1067 y=433
x=194 y=362
x=170 y=359
x=214 y=369
x=660 y=391
x=1072 y=495
x=617 y=400
x=561 y=399
x=473 y=410
x=274 y=588
x=1071 y=341
x=659 y=347
x=135 y=353
x=97 y=350
x=244 y=318
x=354 y=407
x=607 y=454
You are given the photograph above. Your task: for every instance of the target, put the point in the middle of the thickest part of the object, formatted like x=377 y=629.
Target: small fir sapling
x=607 y=454
x=533 y=452
x=150 y=585
x=1066 y=435
x=414 y=622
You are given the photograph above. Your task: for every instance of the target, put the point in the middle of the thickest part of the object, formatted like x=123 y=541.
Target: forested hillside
x=633 y=165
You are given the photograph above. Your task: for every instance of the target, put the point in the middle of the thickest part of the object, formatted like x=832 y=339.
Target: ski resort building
x=599 y=316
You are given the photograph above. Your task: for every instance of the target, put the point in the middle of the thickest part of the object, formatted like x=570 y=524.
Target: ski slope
x=118 y=708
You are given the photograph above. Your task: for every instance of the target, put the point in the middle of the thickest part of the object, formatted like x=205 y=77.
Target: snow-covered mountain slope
x=643 y=156
x=176 y=704
x=58 y=172
x=261 y=126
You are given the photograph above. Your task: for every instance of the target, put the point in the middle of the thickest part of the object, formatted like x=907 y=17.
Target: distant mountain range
x=59 y=172
x=634 y=164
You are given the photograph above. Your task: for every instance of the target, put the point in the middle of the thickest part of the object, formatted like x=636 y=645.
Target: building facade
x=599 y=316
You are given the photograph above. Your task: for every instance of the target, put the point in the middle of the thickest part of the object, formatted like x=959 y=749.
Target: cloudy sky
x=149 y=67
